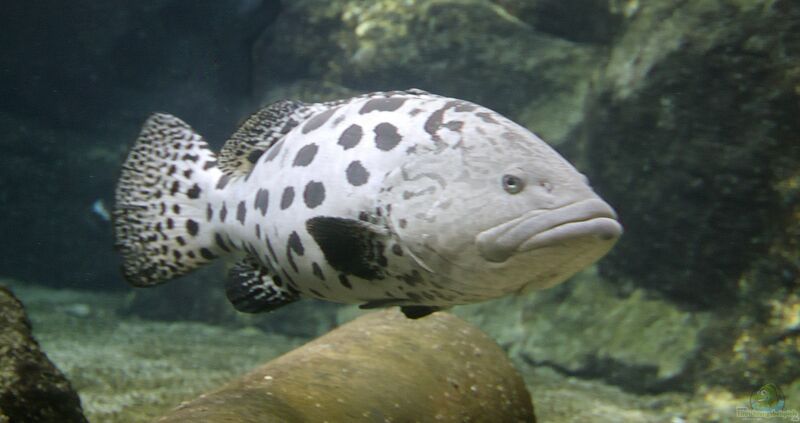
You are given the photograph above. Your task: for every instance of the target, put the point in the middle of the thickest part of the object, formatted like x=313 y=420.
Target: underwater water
x=684 y=117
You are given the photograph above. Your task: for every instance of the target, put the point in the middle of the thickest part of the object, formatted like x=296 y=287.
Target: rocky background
x=685 y=115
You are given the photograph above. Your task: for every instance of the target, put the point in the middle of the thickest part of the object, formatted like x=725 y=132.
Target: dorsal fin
x=258 y=133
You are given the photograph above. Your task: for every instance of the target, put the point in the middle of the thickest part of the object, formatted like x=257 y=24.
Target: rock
x=381 y=366
x=694 y=122
x=32 y=389
x=585 y=329
x=587 y=21
x=472 y=49
x=692 y=135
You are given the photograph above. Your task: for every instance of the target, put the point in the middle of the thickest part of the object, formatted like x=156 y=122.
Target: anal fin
x=410 y=311
x=252 y=288
x=418 y=311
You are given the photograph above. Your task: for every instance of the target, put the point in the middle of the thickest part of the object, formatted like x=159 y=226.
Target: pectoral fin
x=252 y=288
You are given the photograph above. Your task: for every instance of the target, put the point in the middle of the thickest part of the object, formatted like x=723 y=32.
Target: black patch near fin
x=350 y=246
x=251 y=288
x=258 y=133
x=417 y=311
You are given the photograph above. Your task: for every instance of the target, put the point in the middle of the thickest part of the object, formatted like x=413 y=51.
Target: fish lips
x=537 y=229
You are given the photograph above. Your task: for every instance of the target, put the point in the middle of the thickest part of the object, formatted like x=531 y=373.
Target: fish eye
x=512 y=184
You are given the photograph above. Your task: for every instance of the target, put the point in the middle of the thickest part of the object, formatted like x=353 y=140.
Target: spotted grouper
x=401 y=198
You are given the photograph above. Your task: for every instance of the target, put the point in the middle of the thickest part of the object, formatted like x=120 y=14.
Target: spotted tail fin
x=160 y=221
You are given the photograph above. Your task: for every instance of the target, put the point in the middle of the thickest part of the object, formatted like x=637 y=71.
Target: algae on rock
x=32 y=389
x=473 y=49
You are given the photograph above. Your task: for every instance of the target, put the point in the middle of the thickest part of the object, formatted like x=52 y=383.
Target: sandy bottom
x=130 y=370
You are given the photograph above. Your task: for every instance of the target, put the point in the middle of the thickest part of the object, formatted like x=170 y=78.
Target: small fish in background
x=400 y=198
x=99 y=209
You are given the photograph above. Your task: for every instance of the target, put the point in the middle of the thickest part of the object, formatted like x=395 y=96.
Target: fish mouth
x=592 y=219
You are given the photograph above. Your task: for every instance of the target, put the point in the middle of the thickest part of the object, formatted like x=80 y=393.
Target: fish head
x=492 y=207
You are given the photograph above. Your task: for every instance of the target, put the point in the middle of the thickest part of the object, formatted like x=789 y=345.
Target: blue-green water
x=683 y=116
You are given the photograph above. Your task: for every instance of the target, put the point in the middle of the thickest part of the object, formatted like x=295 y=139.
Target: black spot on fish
x=254 y=155
x=287 y=198
x=190 y=157
x=349 y=246
x=344 y=281
x=223 y=181
x=454 y=125
x=356 y=174
x=386 y=136
x=403 y=223
x=305 y=155
x=192 y=227
x=397 y=250
x=258 y=231
x=294 y=245
x=209 y=212
x=318 y=120
x=171 y=170
x=175 y=187
x=363 y=216
x=465 y=107
x=187 y=173
x=351 y=136
x=291 y=284
x=382 y=105
x=314 y=194
x=486 y=117
x=223 y=213
x=274 y=150
x=180 y=241
x=271 y=250
x=170 y=223
x=315 y=292
x=176 y=208
x=241 y=212
x=414 y=278
x=317 y=271
x=221 y=242
x=262 y=201
x=209 y=164
x=207 y=254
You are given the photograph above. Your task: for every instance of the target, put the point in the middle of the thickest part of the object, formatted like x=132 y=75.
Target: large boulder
x=473 y=49
x=692 y=136
x=32 y=389
x=694 y=122
x=583 y=328
x=380 y=367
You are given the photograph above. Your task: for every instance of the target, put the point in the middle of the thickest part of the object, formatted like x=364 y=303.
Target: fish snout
x=590 y=221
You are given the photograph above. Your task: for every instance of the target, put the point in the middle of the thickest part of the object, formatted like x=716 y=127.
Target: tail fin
x=160 y=221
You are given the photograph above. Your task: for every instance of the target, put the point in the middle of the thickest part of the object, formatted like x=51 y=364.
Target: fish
x=395 y=198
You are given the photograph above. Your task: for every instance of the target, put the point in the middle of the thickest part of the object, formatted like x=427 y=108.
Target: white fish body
x=399 y=198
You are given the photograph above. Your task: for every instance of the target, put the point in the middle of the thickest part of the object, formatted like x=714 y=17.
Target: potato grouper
x=399 y=198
